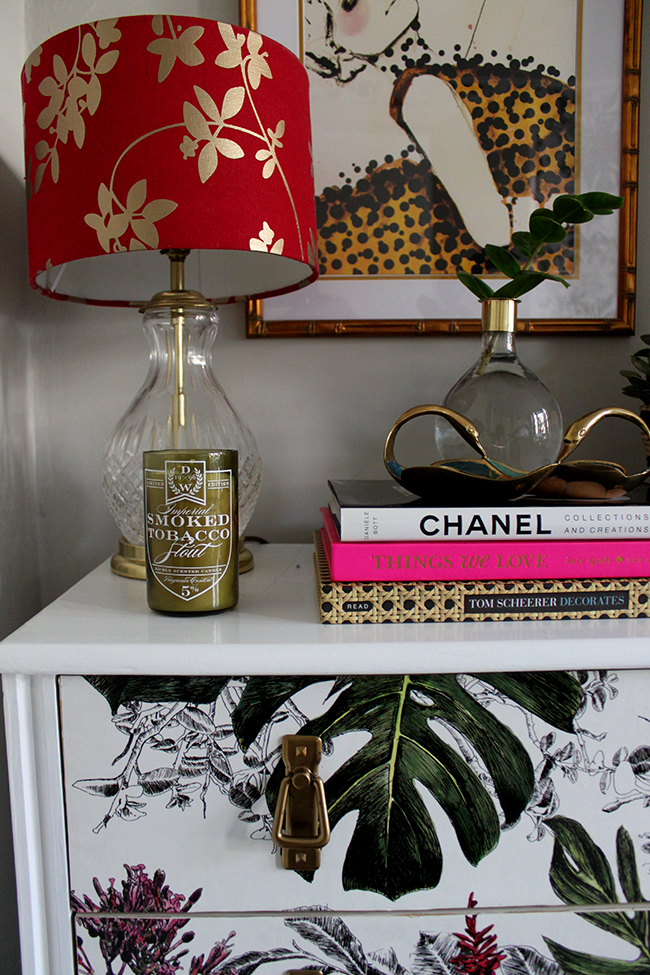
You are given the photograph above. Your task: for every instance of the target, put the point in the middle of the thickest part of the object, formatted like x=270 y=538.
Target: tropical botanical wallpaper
x=511 y=944
x=452 y=794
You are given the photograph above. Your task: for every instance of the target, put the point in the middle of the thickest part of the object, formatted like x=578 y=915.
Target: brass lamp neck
x=499 y=315
x=176 y=269
x=177 y=298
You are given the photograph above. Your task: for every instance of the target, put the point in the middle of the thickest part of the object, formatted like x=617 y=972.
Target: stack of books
x=383 y=555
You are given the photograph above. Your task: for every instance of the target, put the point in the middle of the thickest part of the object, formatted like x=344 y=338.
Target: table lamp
x=159 y=147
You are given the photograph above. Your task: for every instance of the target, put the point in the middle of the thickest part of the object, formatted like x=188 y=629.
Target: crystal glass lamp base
x=176 y=408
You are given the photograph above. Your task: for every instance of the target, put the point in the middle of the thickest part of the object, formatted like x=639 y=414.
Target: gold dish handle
x=579 y=429
x=301 y=825
x=460 y=423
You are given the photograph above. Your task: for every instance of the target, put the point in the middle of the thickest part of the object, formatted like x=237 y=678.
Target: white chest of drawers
x=61 y=737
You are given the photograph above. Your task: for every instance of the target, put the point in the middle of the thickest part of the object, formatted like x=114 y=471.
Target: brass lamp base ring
x=129 y=560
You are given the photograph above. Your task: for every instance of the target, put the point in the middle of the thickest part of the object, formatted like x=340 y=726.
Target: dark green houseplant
x=638 y=386
x=639 y=380
x=547 y=225
x=510 y=434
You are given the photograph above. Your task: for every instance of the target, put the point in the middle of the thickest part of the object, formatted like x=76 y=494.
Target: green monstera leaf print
x=395 y=848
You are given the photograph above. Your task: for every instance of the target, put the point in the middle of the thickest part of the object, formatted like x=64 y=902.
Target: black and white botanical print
x=406 y=755
x=177 y=751
x=185 y=738
x=312 y=940
x=561 y=757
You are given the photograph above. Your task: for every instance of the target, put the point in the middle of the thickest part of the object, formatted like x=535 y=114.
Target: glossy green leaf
x=545 y=228
x=637 y=392
x=525 y=282
x=520 y=285
x=639 y=386
x=546 y=276
x=601 y=203
x=642 y=362
x=524 y=242
x=586 y=216
x=476 y=285
x=395 y=848
x=503 y=260
x=571 y=209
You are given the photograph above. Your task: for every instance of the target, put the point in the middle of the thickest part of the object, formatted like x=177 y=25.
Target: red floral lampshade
x=152 y=132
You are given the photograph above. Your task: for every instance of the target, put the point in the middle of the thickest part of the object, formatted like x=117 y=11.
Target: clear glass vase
x=207 y=420
x=518 y=419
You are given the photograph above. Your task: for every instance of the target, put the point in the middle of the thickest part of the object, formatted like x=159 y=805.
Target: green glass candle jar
x=191 y=536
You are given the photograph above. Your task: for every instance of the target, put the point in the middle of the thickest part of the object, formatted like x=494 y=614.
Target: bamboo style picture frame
x=301 y=314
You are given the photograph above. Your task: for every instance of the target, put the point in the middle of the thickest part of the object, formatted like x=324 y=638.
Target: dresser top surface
x=103 y=625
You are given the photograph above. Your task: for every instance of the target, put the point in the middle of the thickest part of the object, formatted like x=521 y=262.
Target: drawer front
x=438 y=786
x=516 y=944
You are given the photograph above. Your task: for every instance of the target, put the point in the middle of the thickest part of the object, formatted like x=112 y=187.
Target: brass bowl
x=465 y=480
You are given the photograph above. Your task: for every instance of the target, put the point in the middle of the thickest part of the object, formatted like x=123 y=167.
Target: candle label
x=191 y=530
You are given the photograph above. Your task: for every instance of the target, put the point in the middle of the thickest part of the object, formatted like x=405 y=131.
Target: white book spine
x=599 y=521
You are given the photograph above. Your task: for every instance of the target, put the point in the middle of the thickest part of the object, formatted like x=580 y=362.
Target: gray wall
x=20 y=589
x=319 y=409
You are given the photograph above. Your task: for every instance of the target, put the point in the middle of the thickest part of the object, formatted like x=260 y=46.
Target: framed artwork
x=438 y=127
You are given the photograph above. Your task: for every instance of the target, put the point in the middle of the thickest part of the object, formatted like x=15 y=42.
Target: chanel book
x=383 y=511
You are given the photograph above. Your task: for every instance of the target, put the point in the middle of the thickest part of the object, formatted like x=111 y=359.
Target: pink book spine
x=482 y=560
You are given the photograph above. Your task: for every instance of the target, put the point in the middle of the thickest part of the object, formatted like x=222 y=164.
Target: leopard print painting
x=398 y=219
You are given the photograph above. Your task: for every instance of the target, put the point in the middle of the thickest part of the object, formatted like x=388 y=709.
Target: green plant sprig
x=639 y=385
x=545 y=226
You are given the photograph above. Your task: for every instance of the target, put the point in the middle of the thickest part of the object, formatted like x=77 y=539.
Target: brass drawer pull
x=301 y=826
